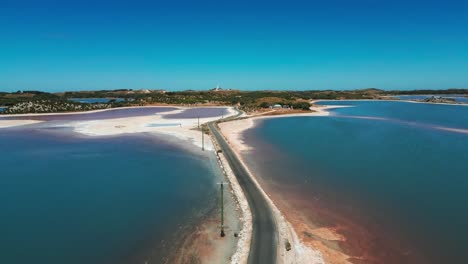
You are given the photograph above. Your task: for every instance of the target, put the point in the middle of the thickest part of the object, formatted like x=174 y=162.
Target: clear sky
x=175 y=45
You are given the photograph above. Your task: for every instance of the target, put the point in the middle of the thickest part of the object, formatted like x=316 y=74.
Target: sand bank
x=14 y=123
x=182 y=128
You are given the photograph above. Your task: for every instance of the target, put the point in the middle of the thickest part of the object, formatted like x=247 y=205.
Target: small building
x=217 y=88
x=277 y=106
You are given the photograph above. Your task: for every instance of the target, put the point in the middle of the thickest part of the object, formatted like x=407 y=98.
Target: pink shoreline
x=179 y=107
x=386 y=100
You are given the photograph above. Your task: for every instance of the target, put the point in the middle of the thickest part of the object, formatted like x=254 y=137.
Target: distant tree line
x=247 y=100
x=420 y=92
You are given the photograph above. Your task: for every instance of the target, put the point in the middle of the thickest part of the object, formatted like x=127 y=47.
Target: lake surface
x=202 y=112
x=95 y=100
x=72 y=199
x=96 y=115
x=391 y=175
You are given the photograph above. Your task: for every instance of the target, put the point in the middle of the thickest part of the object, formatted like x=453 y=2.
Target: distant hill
x=371 y=90
x=247 y=100
x=416 y=92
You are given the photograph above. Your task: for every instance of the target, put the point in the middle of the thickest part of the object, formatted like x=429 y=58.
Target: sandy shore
x=13 y=123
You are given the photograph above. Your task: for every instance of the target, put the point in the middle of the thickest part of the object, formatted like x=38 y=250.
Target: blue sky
x=176 y=45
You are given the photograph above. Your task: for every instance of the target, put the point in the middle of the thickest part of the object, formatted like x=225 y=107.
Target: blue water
x=452 y=116
x=95 y=100
x=458 y=98
x=70 y=199
x=384 y=168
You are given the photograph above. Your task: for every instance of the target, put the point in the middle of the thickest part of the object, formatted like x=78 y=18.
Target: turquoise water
x=435 y=115
x=70 y=199
x=386 y=166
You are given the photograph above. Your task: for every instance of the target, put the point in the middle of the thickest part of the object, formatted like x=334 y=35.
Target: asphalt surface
x=264 y=232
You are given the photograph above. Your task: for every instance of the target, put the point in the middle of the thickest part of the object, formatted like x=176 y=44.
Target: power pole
x=202 y=140
x=199 y=122
x=222 y=210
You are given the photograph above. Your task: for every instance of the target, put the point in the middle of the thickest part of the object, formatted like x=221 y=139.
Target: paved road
x=264 y=235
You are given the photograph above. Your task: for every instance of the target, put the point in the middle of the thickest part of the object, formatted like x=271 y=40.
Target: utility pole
x=222 y=210
x=198 y=122
x=202 y=140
